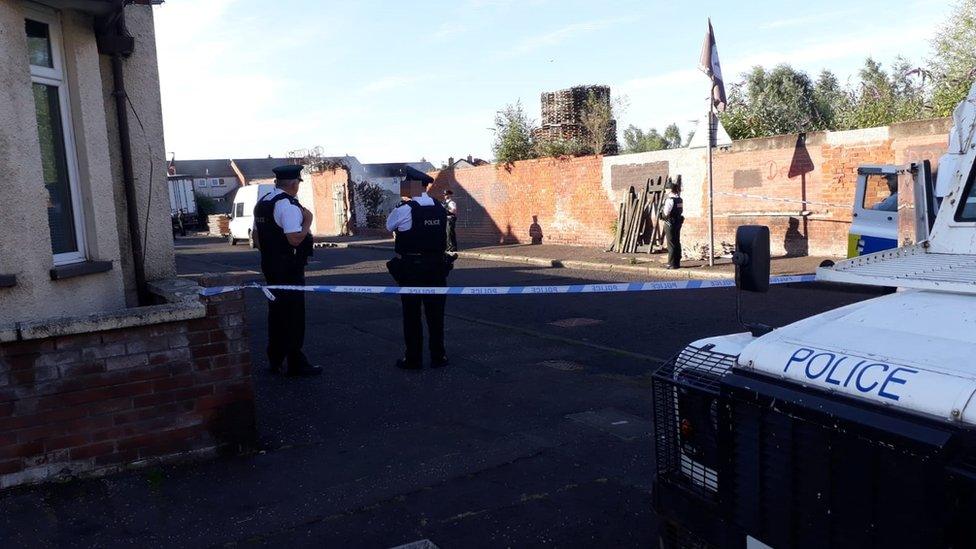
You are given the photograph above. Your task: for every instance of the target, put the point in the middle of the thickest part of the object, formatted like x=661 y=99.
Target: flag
x=708 y=63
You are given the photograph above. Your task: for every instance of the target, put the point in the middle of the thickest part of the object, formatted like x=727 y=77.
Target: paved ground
x=518 y=443
x=590 y=258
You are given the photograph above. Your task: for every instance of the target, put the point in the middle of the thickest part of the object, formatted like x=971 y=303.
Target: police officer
x=421 y=241
x=452 y=213
x=671 y=214
x=282 y=228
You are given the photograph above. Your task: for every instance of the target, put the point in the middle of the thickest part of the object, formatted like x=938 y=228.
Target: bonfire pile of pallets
x=562 y=115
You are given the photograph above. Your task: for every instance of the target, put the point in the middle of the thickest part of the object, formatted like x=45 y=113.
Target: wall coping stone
x=8 y=333
x=182 y=303
x=175 y=290
x=112 y=320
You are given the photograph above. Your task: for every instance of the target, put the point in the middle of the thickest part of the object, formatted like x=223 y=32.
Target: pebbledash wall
x=90 y=382
x=575 y=200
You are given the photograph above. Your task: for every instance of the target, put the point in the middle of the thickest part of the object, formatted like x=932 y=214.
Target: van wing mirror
x=751 y=258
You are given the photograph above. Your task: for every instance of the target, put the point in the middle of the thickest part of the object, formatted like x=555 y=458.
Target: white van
x=242 y=213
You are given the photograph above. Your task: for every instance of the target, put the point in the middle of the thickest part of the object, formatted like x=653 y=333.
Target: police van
x=851 y=428
x=875 y=214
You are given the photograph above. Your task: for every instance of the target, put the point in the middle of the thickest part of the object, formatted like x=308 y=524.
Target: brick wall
x=563 y=197
x=95 y=402
x=574 y=201
x=323 y=185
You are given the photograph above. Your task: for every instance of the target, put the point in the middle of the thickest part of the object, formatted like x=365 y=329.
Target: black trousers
x=451 y=233
x=672 y=234
x=286 y=314
x=423 y=273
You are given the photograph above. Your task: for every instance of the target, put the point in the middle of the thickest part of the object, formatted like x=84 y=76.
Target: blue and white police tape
x=508 y=290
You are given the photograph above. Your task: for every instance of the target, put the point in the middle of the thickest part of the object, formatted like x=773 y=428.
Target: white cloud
x=805 y=20
x=449 y=29
x=212 y=107
x=389 y=83
x=559 y=35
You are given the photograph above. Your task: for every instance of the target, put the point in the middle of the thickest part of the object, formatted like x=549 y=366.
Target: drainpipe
x=129 y=180
x=113 y=39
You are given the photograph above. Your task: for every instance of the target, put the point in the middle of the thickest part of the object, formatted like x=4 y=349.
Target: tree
x=597 y=120
x=513 y=134
x=636 y=141
x=830 y=99
x=953 y=65
x=558 y=147
x=672 y=137
x=880 y=99
x=771 y=103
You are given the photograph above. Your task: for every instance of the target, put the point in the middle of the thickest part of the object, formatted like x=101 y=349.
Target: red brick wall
x=94 y=402
x=324 y=185
x=564 y=197
x=573 y=205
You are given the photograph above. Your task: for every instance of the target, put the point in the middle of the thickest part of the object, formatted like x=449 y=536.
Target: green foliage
x=829 y=98
x=784 y=100
x=596 y=118
x=637 y=140
x=672 y=136
x=953 y=64
x=513 y=135
x=370 y=196
x=558 y=147
x=772 y=103
x=881 y=99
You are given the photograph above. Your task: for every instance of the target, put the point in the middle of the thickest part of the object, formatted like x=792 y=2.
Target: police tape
x=505 y=290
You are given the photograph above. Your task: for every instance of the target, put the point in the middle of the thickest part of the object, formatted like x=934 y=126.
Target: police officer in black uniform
x=421 y=241
x=672 y=215
x=282 y=227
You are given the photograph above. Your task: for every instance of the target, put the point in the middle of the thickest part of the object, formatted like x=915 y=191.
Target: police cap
x=288 y=171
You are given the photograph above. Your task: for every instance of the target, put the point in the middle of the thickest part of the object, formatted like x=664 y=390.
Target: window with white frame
x=59 y=164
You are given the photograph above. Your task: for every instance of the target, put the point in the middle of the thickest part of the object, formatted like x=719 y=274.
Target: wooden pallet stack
x=639 y=228
x=562 y=113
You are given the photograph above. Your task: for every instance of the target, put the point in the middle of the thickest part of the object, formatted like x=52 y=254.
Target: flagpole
x=711 y=193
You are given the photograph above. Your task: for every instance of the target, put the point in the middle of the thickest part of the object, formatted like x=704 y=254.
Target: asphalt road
x=537 y=434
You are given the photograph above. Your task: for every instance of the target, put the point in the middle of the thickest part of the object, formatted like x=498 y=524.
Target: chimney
x=469 y=160
x=450 y=161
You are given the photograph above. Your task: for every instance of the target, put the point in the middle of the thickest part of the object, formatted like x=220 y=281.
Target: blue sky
x=395 y=81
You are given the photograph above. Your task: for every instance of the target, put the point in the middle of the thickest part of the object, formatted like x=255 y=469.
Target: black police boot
x=405 y=364
x=439 y=362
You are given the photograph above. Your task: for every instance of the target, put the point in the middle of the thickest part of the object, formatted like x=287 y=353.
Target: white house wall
x=25 y=246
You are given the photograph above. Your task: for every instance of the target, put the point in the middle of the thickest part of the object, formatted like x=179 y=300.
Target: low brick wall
x=95 y=402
